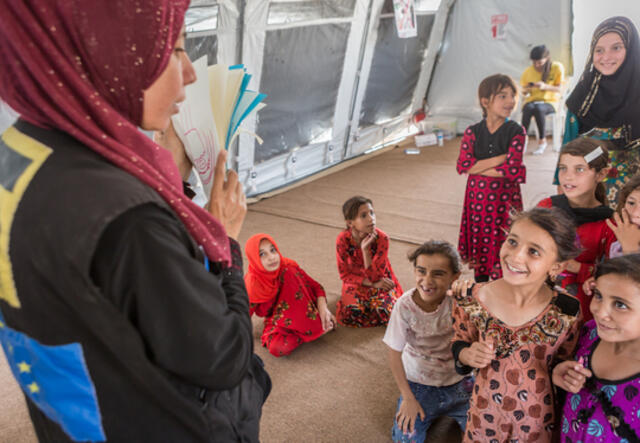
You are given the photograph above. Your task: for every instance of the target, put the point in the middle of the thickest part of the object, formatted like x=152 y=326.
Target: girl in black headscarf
x=605 y=103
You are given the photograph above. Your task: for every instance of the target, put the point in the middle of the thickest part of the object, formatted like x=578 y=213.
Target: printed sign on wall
x=405 y=15
x=498 y=26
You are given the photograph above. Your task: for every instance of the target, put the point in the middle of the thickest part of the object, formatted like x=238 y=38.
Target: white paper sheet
x=196 y=127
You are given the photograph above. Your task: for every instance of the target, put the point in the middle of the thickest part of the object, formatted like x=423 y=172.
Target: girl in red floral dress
x=582 y=166
x=369 y=286
x=491 y=155
x=293 y=304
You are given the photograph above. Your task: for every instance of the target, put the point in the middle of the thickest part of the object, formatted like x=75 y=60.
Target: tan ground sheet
x=339 y=388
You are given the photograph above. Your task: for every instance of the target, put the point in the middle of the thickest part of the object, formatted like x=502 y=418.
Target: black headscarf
x=611 y=101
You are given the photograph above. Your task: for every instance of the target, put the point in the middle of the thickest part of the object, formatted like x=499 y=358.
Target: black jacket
x=97 y=258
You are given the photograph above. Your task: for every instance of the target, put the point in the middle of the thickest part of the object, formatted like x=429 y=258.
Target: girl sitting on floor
x=491 y=156
x=604 y=378
x=369 y=286
x=293 y=304
x=512 y=330
x=582 y=166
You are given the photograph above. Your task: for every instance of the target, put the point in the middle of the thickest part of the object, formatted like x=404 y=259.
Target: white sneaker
x=540 y=149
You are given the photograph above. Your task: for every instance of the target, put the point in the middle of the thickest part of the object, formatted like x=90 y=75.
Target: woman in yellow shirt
x=541 y=83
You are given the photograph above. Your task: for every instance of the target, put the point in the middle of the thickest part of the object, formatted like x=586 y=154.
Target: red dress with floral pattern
x=364 y=306
x=488 y=200
x=291 y=317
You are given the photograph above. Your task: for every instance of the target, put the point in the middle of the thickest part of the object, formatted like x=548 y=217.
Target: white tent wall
x=340 y=81
x=301 y=55
x=390 y=74
x=469 y=52
x=587 y=14
x=314 y=61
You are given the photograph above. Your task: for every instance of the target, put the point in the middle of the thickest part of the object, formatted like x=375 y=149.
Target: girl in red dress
x=293 y=304
x=369 y=286
x=491 y=155
x=582 y=165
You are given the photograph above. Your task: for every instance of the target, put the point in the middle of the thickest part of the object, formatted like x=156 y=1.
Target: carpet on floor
x=340 y=388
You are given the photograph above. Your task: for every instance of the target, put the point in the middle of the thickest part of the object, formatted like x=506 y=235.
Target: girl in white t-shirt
x=419 y=337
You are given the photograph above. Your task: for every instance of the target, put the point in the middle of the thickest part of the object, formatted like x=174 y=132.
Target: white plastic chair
x=557 y=119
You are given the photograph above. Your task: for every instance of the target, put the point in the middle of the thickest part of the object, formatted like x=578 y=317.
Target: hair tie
x=593 y=155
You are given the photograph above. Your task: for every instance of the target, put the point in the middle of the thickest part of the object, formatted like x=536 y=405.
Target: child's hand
x=327 y=318
x=460 y=287
x=408 y=413
x=478 y=355
x=627 y=232
x=589 y=285
x=570 y=375
x=386 y=284
x=573 y=266
x=366 y=242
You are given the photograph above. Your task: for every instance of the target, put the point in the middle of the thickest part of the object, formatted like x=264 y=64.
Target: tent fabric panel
x=281 y=12
x=301 y=75
x=196 y=47
x=394 y=72
x=468 y=42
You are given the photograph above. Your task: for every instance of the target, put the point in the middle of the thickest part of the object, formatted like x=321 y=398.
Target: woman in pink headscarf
x=123 y=312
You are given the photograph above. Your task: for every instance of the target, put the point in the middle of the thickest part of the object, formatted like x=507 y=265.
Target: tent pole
x=354 y=92
x=435 y=42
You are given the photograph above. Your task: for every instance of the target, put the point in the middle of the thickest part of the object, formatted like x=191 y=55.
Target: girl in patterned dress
x=369 y=286
x=513 y=329
x=604 y=378
x=582 y=166
x=293 y=304
x=491 y=155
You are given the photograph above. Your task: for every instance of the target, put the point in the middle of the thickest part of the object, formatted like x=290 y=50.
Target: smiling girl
x=582 y=165
x=491 y=155
x=511 y=330
x=605 y=102
x=293 y=304
x=418 y=337
x=369 y=286
x=604 y=378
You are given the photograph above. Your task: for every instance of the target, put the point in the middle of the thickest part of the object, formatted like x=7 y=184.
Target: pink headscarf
x=82 y=66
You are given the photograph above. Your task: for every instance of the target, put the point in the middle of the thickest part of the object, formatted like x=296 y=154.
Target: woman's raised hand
x=227 y=203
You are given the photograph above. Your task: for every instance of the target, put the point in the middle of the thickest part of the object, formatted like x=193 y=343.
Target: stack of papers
x=210 y=117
